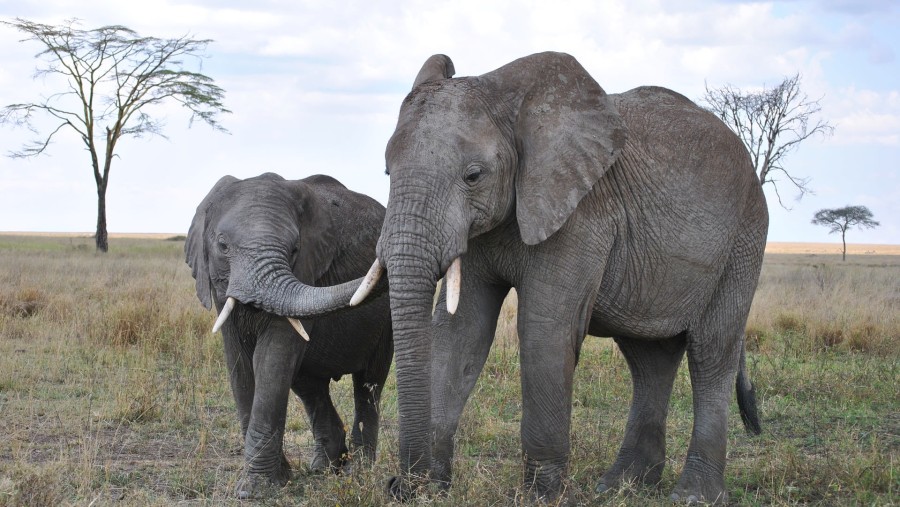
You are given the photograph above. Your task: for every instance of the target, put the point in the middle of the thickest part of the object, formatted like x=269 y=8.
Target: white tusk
x=453 y=279
x=298 y=327
x=223 y=316
x=367 y=284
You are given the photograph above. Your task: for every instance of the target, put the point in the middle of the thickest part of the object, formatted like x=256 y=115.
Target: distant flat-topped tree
x=113 y=77
x=841 y=219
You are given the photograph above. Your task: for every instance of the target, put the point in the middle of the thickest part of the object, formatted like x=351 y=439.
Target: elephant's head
x=263 y=242
x=525 y=142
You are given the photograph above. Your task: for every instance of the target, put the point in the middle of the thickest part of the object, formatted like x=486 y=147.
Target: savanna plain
x=113 y=391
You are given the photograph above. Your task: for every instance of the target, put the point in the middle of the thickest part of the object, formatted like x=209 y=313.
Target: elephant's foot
x=544 y=479
x=257 y=486
x=631 y=468
x=402 y=490
x=322 y=463
x=261 y=485
x=700 y=482
x=408 y=488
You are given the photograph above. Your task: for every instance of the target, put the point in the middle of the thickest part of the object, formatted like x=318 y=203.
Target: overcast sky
x=315 y=87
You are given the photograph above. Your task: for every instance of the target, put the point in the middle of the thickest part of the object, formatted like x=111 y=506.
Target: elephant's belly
x=653 y=310
x=605 y=324
x=339 y=346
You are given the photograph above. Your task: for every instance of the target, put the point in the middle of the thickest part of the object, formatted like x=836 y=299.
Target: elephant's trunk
x=412 y=288
x=275 y=289
x=413 y=263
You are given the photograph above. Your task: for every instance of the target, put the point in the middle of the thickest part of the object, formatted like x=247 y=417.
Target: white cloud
x=866 y=117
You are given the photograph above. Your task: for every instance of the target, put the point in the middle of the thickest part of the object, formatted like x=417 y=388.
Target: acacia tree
x=771 y=122
x=841 y=219
x=113 y=78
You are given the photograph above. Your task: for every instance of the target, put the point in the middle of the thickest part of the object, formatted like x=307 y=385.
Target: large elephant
x=256 y=247
x=635 y=215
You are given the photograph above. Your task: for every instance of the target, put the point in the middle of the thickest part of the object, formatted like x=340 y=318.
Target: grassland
x=113 y=391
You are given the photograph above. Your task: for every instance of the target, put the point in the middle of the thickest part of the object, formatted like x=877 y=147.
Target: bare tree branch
x=771 y=123
x=113 y=78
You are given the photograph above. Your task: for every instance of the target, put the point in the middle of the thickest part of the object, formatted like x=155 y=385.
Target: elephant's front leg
x=239 y=361
x=550 y=339
x=461 y=345
x=274 y=362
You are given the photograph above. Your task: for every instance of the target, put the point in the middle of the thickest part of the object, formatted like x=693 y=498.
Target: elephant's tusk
x=298 y=327
x=223 y=316
x=453 y=278
x=367 y=284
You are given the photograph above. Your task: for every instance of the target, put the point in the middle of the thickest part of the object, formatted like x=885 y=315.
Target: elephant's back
x=680 y=192
x=690 y=140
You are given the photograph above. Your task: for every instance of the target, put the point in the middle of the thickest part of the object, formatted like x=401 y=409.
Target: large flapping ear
x=318 y=242
x=436 y=67
x=568 y=133
x=195 y=244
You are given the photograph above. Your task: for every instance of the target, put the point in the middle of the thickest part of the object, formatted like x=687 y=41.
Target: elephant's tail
x=746 y=397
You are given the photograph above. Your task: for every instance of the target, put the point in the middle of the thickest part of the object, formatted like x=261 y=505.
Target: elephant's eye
x=223 y=246
x=473 y=174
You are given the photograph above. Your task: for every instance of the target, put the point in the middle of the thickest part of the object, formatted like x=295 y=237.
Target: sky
x=315 y=88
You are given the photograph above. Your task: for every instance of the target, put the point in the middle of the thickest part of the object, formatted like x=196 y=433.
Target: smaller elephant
x=257 y=249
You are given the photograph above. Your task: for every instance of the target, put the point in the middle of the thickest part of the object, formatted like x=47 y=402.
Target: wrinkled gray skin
x=264 y=241
x=634 y=215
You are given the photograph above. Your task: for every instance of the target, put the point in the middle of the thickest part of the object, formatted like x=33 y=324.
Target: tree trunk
x=844 y=241
x=101 y=235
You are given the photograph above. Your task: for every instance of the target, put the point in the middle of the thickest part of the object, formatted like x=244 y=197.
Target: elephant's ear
x=318 y=241
x=436 y=67
x=195 y=244
x=568 y=134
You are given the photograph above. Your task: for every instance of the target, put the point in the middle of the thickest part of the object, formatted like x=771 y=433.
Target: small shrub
x=754 y=338
x=139 y=399
x=789 y=323
x=828 y=335
x=864 y=338
x=132 y=322
x=39 y=487
x=26 y=302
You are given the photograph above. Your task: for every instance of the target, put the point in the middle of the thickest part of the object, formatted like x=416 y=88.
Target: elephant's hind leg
x=714 y=348
x=327 y=427
x=366 y=396
x=642 y=456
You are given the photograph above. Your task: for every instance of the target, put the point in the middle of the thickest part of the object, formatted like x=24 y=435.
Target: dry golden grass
x=113 y=391
x=775 y=247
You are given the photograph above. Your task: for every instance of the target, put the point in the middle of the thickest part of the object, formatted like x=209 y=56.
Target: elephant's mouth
x=453 y=279
x=229 y=306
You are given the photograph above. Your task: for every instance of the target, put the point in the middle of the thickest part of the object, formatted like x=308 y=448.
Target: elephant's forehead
x=442 y=116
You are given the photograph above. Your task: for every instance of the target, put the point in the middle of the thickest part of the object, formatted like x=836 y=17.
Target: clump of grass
x=23 y=303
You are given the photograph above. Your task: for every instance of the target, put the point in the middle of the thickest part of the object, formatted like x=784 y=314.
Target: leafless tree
x=771 y=122
x=113 y=78
x=841 y=219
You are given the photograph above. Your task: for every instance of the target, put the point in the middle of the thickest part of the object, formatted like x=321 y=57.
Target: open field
x=113 y=391
x=775 y=247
